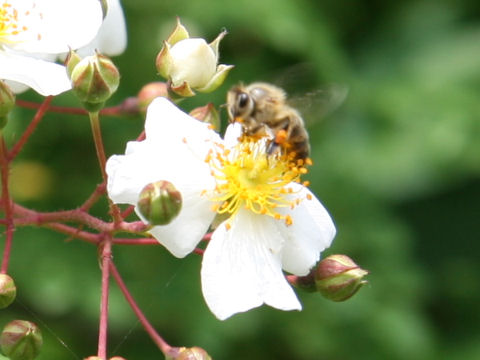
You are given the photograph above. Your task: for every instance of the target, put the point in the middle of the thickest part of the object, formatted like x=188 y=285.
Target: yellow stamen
x=12 y=23
x=250 y=178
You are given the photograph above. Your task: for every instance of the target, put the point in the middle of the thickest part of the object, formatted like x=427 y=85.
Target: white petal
x=168 y=125
x=54 y=26
x=232 y=134
x=44 y=77
x=174 y=149
x=241 y=267
x=147 y=162
x=127 y=176
x=312 y=231
x=111 y=39
x=17 y=87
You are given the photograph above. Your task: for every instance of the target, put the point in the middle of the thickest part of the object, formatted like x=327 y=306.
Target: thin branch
x=30 y=128
x=94 y=197
x=103 y=326
x=102 y=160
x=157 y=339
x=128 y=107
x=74 y=232
x=139 y=241
x=97 y=138
x=7 y=205
x=55 y=109
x=30 y=217
x=128 y=211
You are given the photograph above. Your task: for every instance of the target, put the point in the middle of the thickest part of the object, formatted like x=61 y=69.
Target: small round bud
x=21 y=340
x=94 y=79
x=117 y=358
x=183 y=353
x=8 y=290
x=338 y=277
x=207 y=114
x=7 y=102
x=149 y=92
x=160 y=202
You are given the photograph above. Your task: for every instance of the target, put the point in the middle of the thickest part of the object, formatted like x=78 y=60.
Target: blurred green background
x=397 y=165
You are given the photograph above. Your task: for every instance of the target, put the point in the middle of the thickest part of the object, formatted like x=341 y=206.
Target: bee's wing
x=319 y=103
x=298 y=81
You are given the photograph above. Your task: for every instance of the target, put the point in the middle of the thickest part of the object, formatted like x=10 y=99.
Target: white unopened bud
x=191 y=64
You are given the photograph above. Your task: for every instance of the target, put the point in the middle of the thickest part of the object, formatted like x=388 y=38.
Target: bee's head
x=240 y=104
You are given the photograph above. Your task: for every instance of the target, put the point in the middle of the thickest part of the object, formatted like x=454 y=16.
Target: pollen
x=249 y=177
x=281 y=137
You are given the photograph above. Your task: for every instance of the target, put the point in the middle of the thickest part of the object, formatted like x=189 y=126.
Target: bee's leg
x=272 y=147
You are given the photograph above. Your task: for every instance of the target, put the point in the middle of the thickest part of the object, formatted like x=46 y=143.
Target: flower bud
x=160 y=202
x=94 y=79
x=104 y=4
x=7 y=102
x=338 y=278
x=8 y=290
x=190 y=63
x=117 y=358
x=71 y=61
x=149 y=92
x=207 y=114
x=183 y=353
x=21 y=340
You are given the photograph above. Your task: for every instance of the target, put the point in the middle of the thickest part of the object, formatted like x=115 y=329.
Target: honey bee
x=262 y=110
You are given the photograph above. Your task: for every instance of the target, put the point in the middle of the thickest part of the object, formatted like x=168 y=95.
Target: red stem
x=127 y=211
x=96 y=195
x=7 y=206
x=75 y=233
x=139 y=241
x=97 y=138
x=30 y=128
x=30 y=217
x=128 y=107
x=102 y=160
x=103 y=327
x=157 y=339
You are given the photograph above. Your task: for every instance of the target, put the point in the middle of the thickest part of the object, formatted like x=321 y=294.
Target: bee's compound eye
x=243 y=100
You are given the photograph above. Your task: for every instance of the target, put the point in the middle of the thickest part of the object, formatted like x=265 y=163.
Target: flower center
x=13 y=20
x=248 y=176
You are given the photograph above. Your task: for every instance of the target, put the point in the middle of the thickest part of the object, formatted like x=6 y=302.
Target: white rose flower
x=273 y=222
x=34 y=32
